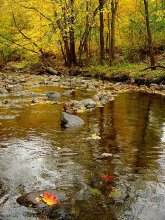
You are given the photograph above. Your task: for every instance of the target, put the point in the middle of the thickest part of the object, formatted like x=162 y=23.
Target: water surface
x=37 y=154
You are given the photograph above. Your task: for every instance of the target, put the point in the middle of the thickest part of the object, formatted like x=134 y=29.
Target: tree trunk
x=149 y=36
x=101 y=4
x=114 y=6
x=109 y=32
x=86 y=48
x=72 y=38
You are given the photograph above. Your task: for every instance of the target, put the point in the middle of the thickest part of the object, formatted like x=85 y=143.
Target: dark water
x=37 y=154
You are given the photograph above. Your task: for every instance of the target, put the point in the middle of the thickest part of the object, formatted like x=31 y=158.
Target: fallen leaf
x=96 y=192
x=49 y=198
x=107 y=177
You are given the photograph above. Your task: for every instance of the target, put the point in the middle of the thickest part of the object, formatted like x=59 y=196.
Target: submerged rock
x=68 y=120
x=53 y=95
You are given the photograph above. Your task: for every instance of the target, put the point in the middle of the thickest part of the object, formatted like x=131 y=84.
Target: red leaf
x=50 y=198
x=107 y=177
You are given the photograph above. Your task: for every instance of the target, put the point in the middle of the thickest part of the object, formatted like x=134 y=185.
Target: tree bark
x=114 y=6
x=86 y=48
x=72 y=37
x=101 y=5
x=87 y=32
x=149 y=36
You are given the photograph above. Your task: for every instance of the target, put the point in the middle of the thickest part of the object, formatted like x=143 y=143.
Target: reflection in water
x=36 y=154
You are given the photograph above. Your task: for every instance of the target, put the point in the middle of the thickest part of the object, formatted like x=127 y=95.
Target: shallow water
x=37 y=154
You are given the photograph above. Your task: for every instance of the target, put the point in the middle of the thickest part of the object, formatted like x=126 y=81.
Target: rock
x=3 y=91
x=105 y=156
x=56 y=79
x=153 y=85
x=69 y=93
x=96 y=98
x=87 y=103
x=68 y=120
x=52 y=71
x=53 y=95
x=161 y=87
x=2 y=188
x=104 y=97
x=22 y=80
x=34 y=199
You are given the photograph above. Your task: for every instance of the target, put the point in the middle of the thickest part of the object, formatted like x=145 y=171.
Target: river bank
x=130 y=73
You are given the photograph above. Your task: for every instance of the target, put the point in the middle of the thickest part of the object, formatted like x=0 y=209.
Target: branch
x=139 y=28
x=12 y=41
x=152 y=67
x=26 y=37
x=35 y=9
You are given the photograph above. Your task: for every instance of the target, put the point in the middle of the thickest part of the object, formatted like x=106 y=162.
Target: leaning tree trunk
x=149 y=36
x=101 y=4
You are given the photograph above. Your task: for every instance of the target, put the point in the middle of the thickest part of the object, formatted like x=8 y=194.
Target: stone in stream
x=2 y=188
x=34 y=199
x=69 y=93
x=68 y=120
x=87 y=103
x=53 y=95
x=3 y=91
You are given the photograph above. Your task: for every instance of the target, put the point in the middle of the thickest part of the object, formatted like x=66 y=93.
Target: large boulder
x=68 y=120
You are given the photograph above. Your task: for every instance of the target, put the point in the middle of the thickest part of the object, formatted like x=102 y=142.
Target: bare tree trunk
x=64 y=35
x=87 y=32
x=101 y=5
x=150 y=42
x=72 y=38
x=114 y=6
x=86 y=48
x=109 y=32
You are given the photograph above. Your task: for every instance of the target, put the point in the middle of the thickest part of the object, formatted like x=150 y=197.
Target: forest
x=82 y=33
x=82 y=109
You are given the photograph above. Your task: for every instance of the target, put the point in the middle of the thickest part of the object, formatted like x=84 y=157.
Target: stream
x=36 y=153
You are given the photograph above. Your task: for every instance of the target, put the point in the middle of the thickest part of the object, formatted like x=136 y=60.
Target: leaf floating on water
x=107 y=177
x=50 y=198
x=96 y=192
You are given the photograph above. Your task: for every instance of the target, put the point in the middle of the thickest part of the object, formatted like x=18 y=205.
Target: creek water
x=36 y=153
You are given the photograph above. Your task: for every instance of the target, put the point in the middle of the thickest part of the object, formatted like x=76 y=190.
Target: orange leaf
x=50 y=198
x=107 y=177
